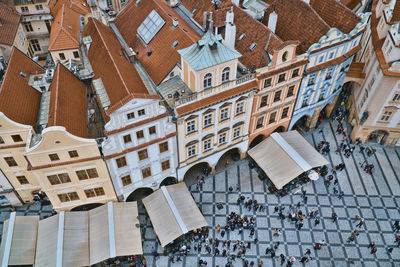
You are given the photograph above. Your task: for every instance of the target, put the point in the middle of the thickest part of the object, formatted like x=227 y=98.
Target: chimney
x=211 y=23
x=205 y=19
x=272 y=20
x=173 y=3
x=175 y=23
x=306 y=1
x=230 y=29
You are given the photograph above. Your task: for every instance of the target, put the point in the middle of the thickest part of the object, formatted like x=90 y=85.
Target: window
x=22 y=180
x=285 y=112
x=95 y=192
x=39 y=7
x=207 y=82
x=163 y=147
x=207 y=144
x=86 y=174
x=224 y=114
x=225 y=75
x=60 y=178
x=328 y=75
x=305 y=100
x=127 y=138
x=121 y=162
x=126 y=180
x=239 y=108
x=295 y=73
x=28 y=26
x=260 y=122
x=264 y=101
x=191 y=151
x=130 y=115
x=35 y=45
x=53 y=157
x=1 y=140
x=282 y=77
x=395 y=98
x=141 y=112
x=386 y=116
x=321 y=58
x=152 y=130
x=76 y=54
x=222 y=138
x=150 y=26
x=24 y=9
x=146 y=172
x=10 y=161
x=236 y=132
x=92 y=173
x=68 y=196
x=277 y=96
x=191 y=126
x=143 y=154
x=272 y=118
x=165 y=165
x=16 y=138
x=73 y=154
x=208 y=120
x=139 y=134
x=267 y=82
x=284 y=56
x=331 y=55
x=290 y=91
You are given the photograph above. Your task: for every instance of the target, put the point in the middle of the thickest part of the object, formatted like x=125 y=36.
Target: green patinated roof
x=209 y=51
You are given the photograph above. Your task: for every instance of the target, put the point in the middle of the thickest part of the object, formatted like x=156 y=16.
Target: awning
x=18 y=242
x=173 y=212
x=284 y=156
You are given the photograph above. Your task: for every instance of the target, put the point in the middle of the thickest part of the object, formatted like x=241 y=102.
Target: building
x=11 y=32
x=329 y=43
x=140 y=146
x=36 y=21
x=375 y=101
x=64 y=36
x=18 y=120
x=67 y=164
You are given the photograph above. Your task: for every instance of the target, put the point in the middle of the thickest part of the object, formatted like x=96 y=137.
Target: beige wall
x=68 y=53
x=15 y=150
x=58 y=140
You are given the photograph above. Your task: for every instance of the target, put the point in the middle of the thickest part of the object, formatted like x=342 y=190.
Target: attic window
x=137 y=2
x=175 y=44
x=194 y=10
x=252 y=46
x=150 y=26
x=241 y=36
x=23 y=75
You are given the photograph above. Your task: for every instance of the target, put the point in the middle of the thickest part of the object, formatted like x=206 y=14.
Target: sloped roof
x=252 y=30
x=350 y=4
x=65 y=30
x=79 y=6
x=15 y=87
x=68 y=102
x=118 y=75
x=336 y=14
x=209 y=51
x=164 y=55
x=9 y=22
x=395 y=12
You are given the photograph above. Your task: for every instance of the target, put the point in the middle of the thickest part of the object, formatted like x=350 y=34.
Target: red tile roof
x=79 y=6
x=119 y=76
x=336 y=14
x=396 y=13
x=9 y=22
x=65 y=30
x=68 y=102
x=297 y=20
x=19 y=101
x=350 y=4
x=253 y=30
x=164 y=56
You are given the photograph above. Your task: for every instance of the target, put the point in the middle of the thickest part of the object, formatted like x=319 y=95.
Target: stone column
x=330 y=107
x=243 y=155
x=314 y=118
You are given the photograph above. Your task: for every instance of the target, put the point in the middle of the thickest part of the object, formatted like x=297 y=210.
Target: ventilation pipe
x=230 y=29
x=272 y=21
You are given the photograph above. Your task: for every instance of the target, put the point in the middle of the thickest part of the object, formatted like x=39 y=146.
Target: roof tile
x=79 y=6
x=9 y=22
x=65 y=30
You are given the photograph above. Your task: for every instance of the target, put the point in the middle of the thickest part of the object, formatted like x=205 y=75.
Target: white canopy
x=173 y=212
x=18 y=242
x=79 y=238
x=284 y=156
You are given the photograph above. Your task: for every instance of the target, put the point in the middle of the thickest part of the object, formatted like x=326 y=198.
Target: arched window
x=207 y=82
x=284 y=56
x=225 y=75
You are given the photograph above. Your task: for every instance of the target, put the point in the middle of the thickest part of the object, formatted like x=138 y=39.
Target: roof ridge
x=316 y=13
x=56 y=92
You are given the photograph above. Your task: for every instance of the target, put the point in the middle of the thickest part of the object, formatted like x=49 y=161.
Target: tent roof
x=173 y=212
x=284 y=156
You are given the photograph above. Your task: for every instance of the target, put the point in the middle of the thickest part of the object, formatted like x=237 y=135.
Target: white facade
x=124 y=131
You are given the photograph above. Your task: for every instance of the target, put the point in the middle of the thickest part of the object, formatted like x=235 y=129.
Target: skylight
x=241 y=36
x=252 y=46
x=150 y=26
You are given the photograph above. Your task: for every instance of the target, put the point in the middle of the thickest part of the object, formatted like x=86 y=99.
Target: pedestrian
x=308 y=252
x=371 y=245
x=373 y=250
x=230 y=189
x=237 y=187
x=360 y=223
x=218 y=228
x=303 y=259
x=334 y=217
x=222 y=233
x=282 y=259
x=276 y=245
x=316 y=222
x=276 y=209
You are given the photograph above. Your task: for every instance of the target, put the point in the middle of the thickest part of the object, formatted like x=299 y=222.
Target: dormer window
x=207 y=82
x=284 y=56
x=150 y=26
x=225 y=75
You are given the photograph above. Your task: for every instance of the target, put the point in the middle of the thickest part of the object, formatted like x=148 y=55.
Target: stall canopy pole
x=10 y=232
x=175 y=211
